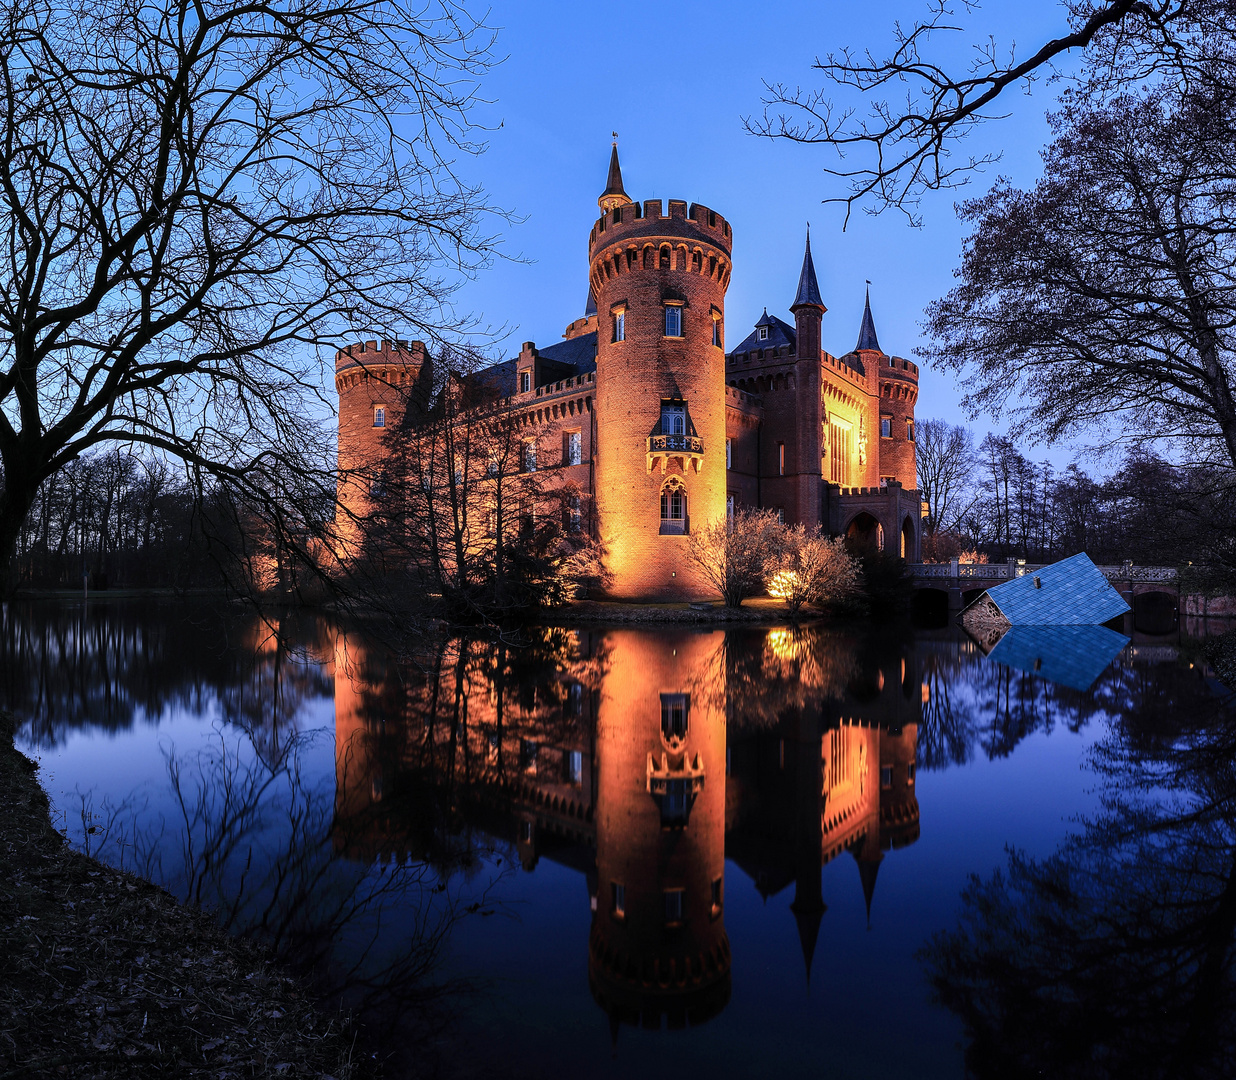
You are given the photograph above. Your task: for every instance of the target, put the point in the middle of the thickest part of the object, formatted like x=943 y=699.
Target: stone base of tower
x=654 y=568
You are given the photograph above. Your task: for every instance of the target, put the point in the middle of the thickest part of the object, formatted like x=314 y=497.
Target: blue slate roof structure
x=867 y=333
x=779 y=333
x=613 y=182
x=808 y=294
x=1073 y=656
x=1073 y=592
x=563 y=360
x=590 y=306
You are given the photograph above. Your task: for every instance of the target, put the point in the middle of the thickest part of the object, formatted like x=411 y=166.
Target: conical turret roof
x=808 y=288
x=614 y=193
x=590 y=306
x=866 y=333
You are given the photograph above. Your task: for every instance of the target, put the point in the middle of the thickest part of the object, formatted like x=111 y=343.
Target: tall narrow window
x=673 y=902
x=675 y=709
x=573 y=767
x=716 y=332
x=763 y=334
x=618 y=899
x=910 y=430
x=529 y=456
x=665 y=258
x=780 y=516
x=379 y=416
x=525 y=381
x=780 y=459
x=574 y=448
x=886 y=427
x=574 y=516
x=730 y=503
x=673 y=320
x=729 y=453
x=620 y=326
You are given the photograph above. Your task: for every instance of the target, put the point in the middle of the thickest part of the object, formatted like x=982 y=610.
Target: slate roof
x=562 y=360
x=613 y=185
x=867 y=333
x=1073 y=592
x=808 y=288
x=779 y=333
x=1073 y=656
x=590 y=305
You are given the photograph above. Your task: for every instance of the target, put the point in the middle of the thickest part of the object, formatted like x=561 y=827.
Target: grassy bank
x=105 y=976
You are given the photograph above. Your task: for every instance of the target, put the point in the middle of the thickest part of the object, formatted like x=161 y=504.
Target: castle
x=642 y=411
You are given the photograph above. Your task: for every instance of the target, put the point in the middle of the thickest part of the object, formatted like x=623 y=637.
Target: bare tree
x=733 y=554
x=906 y=148
x=812 y=568
x=944 y=454
x=196 y=196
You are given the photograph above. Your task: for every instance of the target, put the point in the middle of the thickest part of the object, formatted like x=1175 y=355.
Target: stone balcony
x=688 y=449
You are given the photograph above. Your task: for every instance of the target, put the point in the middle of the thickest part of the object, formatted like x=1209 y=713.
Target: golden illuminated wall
x=643 y=960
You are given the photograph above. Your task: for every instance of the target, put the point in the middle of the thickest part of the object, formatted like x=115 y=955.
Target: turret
x=897 y=387
x=379 y=384
x=659 y=275
x=808 y=309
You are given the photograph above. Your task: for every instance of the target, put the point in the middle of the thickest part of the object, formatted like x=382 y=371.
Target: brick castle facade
x=642 y=411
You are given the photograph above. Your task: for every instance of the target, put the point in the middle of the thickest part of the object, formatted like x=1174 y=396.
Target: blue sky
x=675 y=81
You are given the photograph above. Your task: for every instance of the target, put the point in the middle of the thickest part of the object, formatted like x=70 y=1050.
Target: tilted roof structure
x=1073 y=656
x=1072 y=592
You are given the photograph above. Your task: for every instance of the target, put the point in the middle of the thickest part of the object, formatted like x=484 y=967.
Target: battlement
x=373 y=353
x=677 y=220
x=904 y=368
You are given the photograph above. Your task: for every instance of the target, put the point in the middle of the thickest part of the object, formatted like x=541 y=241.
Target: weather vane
x=615 y=135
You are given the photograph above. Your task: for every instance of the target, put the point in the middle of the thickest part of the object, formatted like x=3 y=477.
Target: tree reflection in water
x=1114 y=956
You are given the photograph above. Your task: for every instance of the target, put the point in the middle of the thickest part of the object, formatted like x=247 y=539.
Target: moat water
x=830 y=851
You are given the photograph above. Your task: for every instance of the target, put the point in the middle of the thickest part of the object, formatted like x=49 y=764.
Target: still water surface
x=836 y=852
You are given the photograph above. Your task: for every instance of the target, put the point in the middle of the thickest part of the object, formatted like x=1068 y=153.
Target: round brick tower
x=659 y=281
x=897 y=383
x=377 y=383
x=658 y=945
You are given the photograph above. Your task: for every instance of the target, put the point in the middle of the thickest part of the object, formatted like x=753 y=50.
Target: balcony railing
x=679 y=443
x=663 y=447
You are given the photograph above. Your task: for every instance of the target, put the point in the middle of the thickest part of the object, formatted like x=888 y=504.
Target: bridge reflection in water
x=642 y=760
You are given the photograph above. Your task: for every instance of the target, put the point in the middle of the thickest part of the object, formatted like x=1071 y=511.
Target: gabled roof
x=562 y=360
x=1071 y=592
x=808 y=294
x=1073 y=656
x=867 y=333
x=779 y=333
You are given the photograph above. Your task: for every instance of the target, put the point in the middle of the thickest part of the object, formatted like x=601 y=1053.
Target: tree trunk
x=15 y=502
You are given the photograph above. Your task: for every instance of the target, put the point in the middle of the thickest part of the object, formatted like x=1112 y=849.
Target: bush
x=811 y=568
x=732 y=553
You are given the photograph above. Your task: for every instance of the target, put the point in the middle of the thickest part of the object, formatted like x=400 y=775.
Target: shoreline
x=107 y=976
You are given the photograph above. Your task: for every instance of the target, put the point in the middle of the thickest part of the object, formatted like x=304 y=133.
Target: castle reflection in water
x=643 y=761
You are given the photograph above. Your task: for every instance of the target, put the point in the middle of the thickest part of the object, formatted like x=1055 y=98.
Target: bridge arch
x=1155 y=612
x=864 y=534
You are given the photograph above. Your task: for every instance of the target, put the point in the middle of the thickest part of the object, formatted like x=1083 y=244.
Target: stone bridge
x=1153 y=592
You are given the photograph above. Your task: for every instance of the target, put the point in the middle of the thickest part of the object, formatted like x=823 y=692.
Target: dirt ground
x=104 y=975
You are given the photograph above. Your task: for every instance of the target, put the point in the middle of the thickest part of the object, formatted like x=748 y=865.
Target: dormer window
x=525 y=381
x=673 y=418
x=763 y=333
x=379 y=416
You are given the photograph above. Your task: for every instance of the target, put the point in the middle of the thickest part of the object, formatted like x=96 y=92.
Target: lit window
x=575 y=448
x=716 y=332
x=675 y=709
x=525 y=381
x=673 y=419
x=673 y=504
x=910 y=430
x=729 y=453
x=620 y=326
x=618 y=898
x=673 y=905
x=886 y=427
x=673 y=320
x=763 y=333
x=379 y=416
x=780 y=459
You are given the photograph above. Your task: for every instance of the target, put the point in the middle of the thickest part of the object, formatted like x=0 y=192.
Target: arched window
x=673 y=507
x=697 y=262
x=665 y=258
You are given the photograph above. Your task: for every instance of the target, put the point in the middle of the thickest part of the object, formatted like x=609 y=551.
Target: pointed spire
x=614 y=193
x=808 y=287
x=808 y=916
x=590 y=305
x=866 y=334
x=867 y=871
